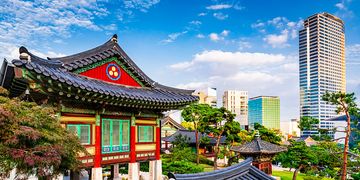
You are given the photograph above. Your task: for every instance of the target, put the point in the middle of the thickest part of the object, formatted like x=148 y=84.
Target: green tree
x=221 y=123
x=307 y=123
x=33 y=141
x=195 y=114
x=345 y=103
x=269 y=135
x=298 y=156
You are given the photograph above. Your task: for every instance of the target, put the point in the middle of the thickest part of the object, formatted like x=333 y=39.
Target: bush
x=356 y=176
x=204 y=160
x=181 y=167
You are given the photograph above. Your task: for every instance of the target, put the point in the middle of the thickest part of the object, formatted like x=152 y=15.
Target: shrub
x=181 y=167
x=204 y=160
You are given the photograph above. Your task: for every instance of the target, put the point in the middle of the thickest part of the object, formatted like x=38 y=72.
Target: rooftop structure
x=260 y=151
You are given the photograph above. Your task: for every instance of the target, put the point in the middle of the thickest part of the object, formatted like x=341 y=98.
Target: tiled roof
x=60 y=72
x=258 y=146
x=242 y=171
x=171 y=121
x=191 y=136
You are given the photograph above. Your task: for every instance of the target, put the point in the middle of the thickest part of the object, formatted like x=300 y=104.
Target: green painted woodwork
x=80 y=130
x=115 y=130
x=97 y=119
x=145 y=133
x=102 y=62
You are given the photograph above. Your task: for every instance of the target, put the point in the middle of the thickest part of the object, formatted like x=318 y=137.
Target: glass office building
x=265 y=110
x=321 y=65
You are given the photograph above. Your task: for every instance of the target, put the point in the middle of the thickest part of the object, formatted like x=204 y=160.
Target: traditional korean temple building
x=206 y=150
x=102 y=96
x=168 y=127
x=261 y=153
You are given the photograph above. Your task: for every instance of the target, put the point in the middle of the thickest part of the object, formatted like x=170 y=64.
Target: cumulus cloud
x=243 y=59
x=202 y=14
x=214 y=37
x=288 y=30
x=353 y=54
x=217 y=37
x=278 y=40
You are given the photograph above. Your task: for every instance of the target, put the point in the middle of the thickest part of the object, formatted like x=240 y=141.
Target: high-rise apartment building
x=321 y=63
x=265 y=110
x=237 y=103
x=207 y=96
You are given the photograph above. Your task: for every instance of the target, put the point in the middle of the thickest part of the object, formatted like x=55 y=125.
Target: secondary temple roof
x=258 y=146
x=242 y=171
x=191 y=136
x=87 y=76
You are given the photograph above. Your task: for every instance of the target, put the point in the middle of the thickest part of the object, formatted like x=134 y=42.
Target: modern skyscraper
x=321 y=63
x=237 y=103
x=265 y=110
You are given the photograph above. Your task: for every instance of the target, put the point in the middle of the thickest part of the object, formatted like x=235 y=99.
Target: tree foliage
x=270 y=135
x=322 y=159
x=33 y=141
x=307 y=123
x=220 y=123
x=345 y=103
x=195 y=114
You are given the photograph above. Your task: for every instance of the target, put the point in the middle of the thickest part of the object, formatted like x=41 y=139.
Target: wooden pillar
x=96 y=172
x=155 y=166
x=132 y=140
x=158 y=139
x=134 y=169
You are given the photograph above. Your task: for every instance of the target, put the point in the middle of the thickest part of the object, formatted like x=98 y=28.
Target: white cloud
x=214 y=37
x=202 y=14
x=225 y=33
x=258 y=25
x=197 y=23
x=220 y=16
x=219 y=6
x=194 y=85
x=217 y=37
x=142 y=5
x=243 y=59
x=353 y=54
x=340 y=5
x=244 y=45
x=278 y=40
x=173 y=36
x=201 y=36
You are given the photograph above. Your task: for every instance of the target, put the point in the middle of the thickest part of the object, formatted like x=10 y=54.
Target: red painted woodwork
x=158 y=143
x=97 y=159
x=100 y=73
x=132 y=145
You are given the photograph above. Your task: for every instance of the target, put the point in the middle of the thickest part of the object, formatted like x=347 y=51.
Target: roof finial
x=114 y=38
x=24 y=54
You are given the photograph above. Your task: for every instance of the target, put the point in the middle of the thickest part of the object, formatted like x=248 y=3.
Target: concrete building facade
x=207 y=96
x=237 y=103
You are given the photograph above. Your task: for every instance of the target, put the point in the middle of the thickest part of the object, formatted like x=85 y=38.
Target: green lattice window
x=145 y=133
x=115 y=135
x=82 y=131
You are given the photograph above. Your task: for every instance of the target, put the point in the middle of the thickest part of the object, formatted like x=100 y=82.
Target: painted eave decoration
x=104 y=75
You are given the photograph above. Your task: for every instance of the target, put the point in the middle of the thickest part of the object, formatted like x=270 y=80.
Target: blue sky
x=241 y=45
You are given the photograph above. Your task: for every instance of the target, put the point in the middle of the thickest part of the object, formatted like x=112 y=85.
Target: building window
x=82 y=131
x=115 y=135
x=145 y=134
